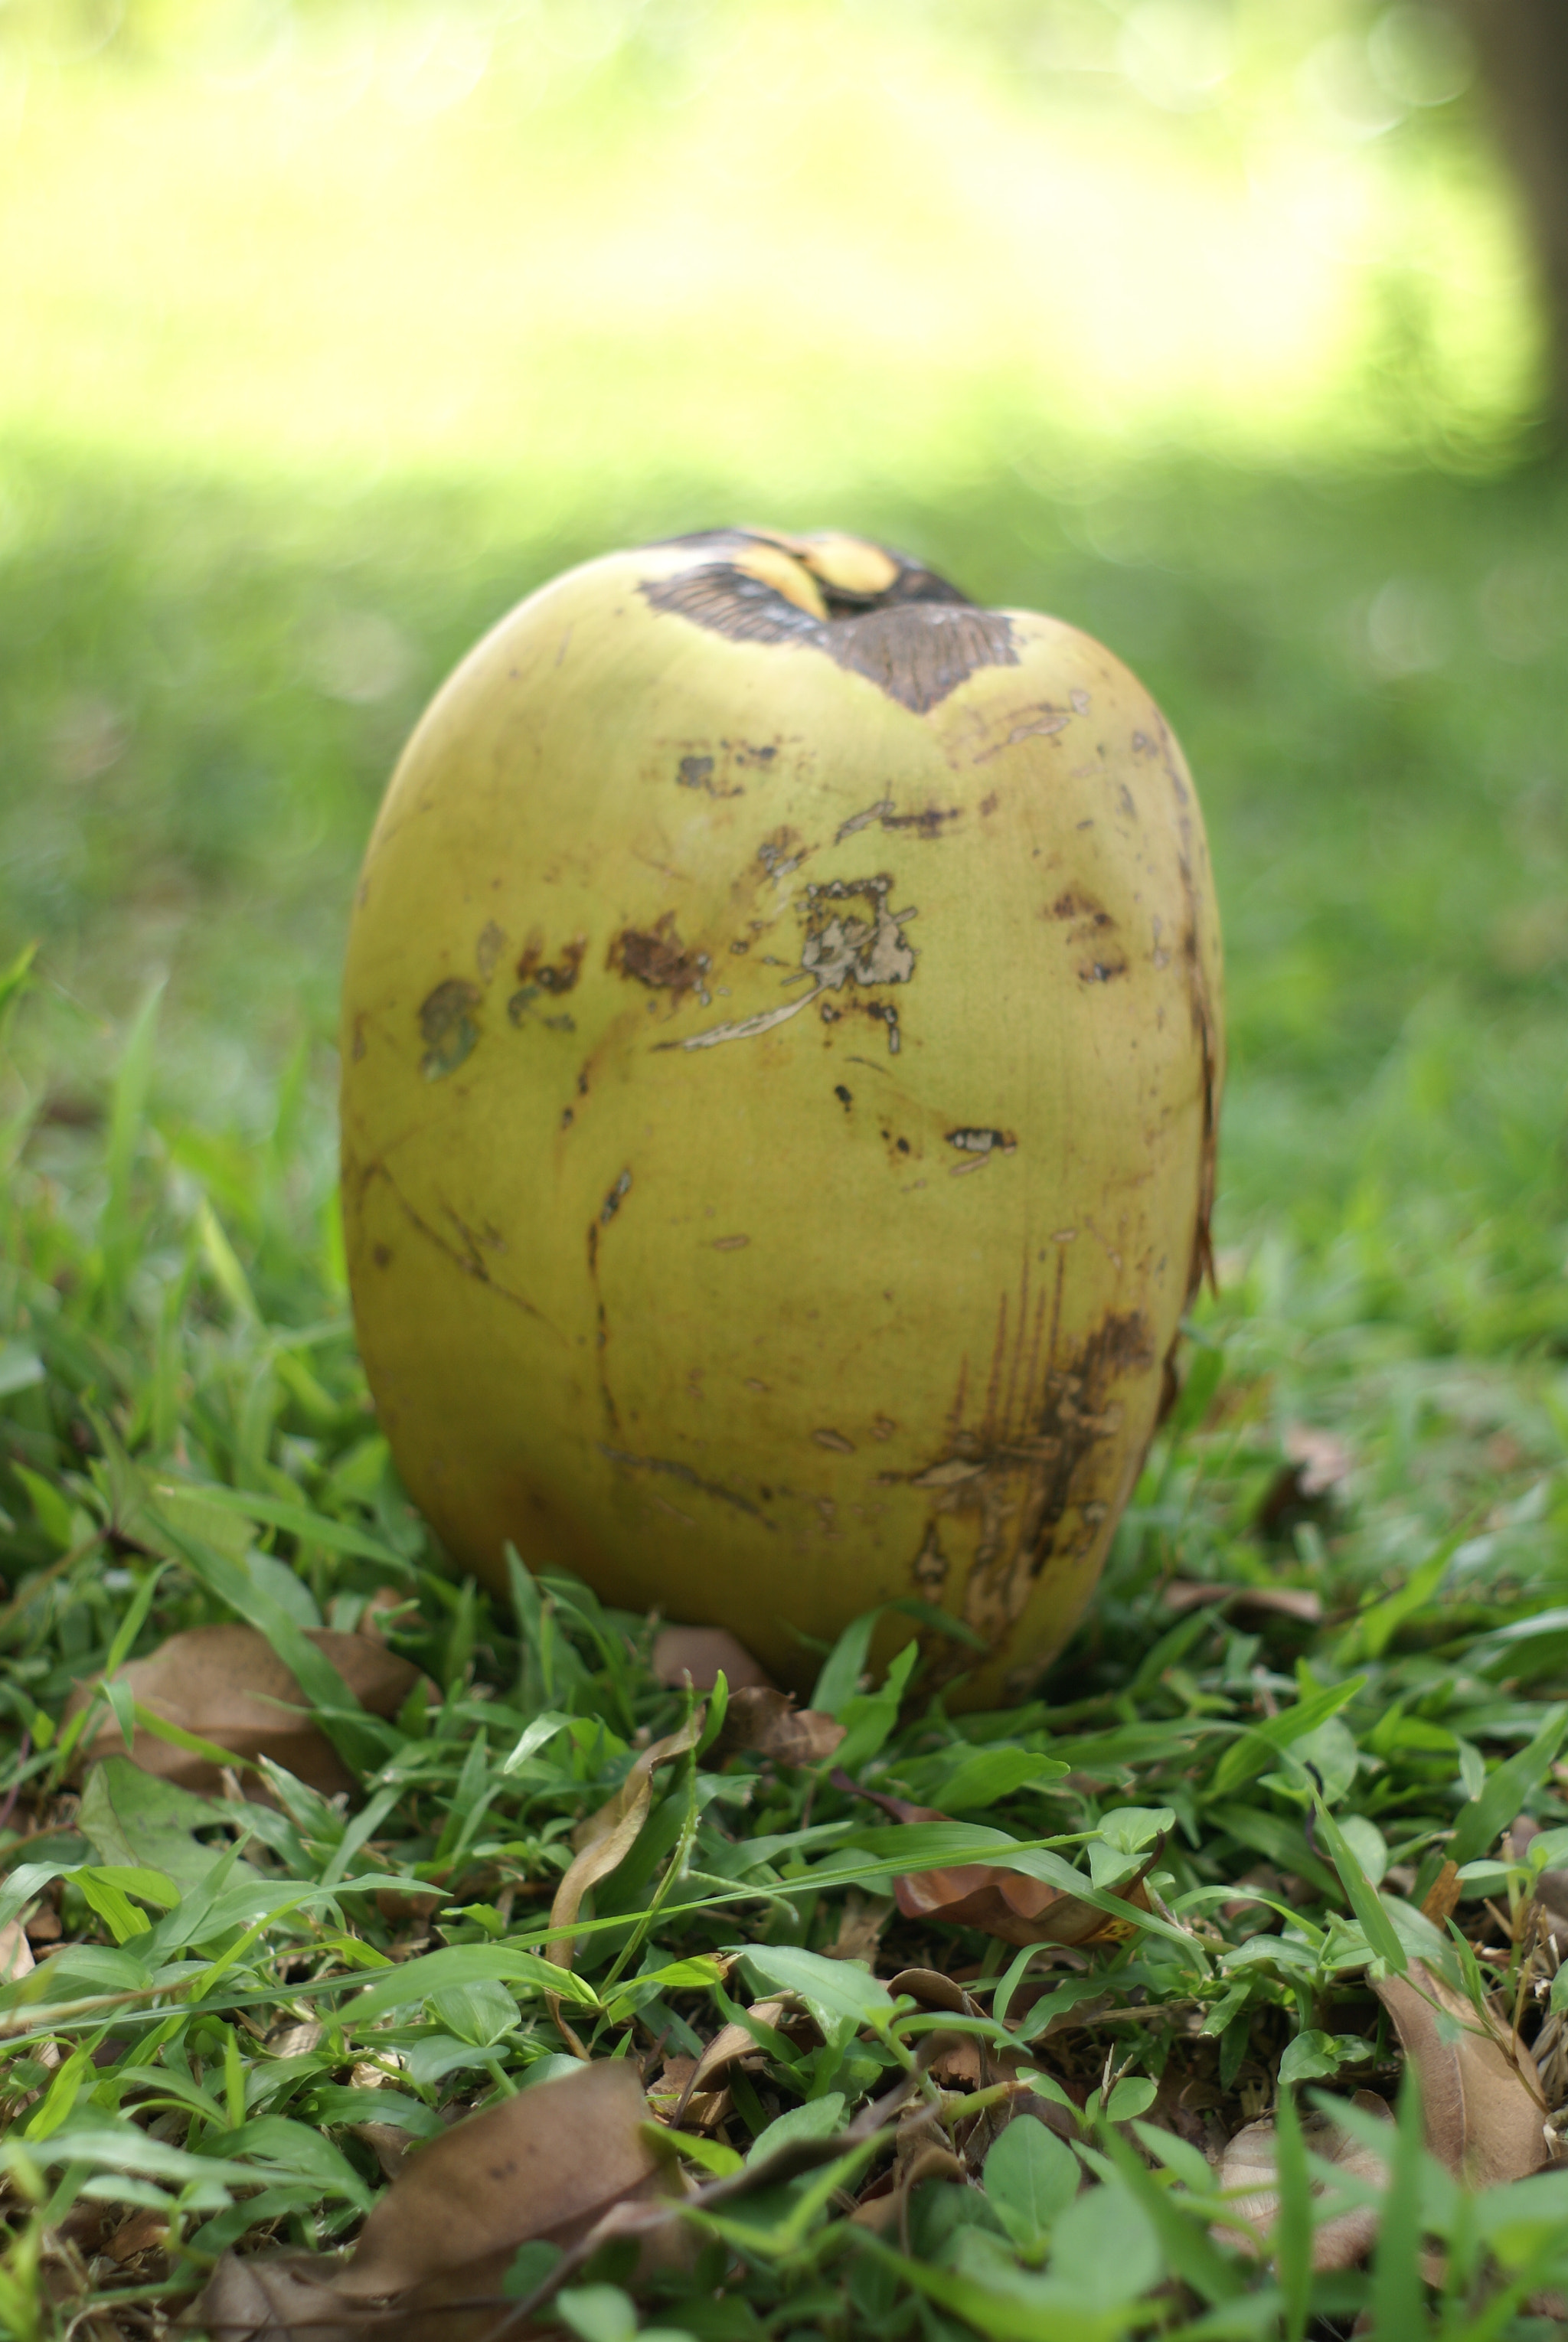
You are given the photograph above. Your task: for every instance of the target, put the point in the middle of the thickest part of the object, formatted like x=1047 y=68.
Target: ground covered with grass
x=1258 y=1910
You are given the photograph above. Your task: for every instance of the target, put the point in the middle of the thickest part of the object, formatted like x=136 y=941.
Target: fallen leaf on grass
x=227 y=1685
x=545 y=2166
x=732 y=2041
x=1004 y=1903
x=1280 y=1601
x=602 y=1843
x=15 y=1952
x=675 y=2100
x=860 y=1927
x=1441 y=1899
x=1484 y=2118
x=705 y=1653
x=1319 y=1464
x=144 y=2232
x=269 y=2297
x=760 y=1721
x=1249 y=2165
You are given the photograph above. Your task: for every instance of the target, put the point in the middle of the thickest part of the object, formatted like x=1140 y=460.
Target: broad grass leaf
x=479 y=2012
x=598 y=2312
x=132 y=1817
x=1030 y=2179
x=1375 y=1923
x=845 y=1664
x=1398 y=2304
x=870 y=1717
x=995 y=2296
x=543 y=2164
x=967 y=1779
x=1261 y=1744
x=296 y=1520
x=1312 y=2056
x=1483 y=2114
x=815 y=2119
x=1482 y=1822
x=1132 y=2096
x=294 y=2151
x=227 y=1685
x=833 y=1990
x=413 y=1981
x=1104 y=2248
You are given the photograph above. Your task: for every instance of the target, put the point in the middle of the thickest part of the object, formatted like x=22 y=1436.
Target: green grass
x=203 y=687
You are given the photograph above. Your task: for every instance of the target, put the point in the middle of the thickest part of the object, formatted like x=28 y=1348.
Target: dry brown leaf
x=1322 y=1457
x=675 y=2100
x=144 y=2232
x=386 y=2142
x=15 y=1952
x=860 y=1927
x=732 y=2041
x=1484 y=2116
x=705 y=1653
x=1441 y=1899
x=1250 y=2165
x=551 y=2163
x=227 y=1685
x=1280 y=1601
x=604 y=1840
x=765 y=1722
x=545 y=2163
x=1004 y=1903
x=267 y=2297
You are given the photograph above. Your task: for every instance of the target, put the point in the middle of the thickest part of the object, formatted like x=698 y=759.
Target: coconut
x=781 y=1055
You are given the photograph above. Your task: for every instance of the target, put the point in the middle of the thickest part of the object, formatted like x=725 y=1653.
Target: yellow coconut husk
x=781 y=1057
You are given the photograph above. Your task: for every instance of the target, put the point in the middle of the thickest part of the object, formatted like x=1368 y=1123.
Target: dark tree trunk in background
x=1522 y=49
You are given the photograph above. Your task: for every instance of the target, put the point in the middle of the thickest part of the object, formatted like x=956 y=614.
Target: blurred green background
x=1210 y=324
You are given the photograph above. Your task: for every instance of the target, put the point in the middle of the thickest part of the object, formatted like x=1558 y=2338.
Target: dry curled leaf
x=1485 y=2115
x=704 y=1654
x=227 y=1685
x=764 y=1722
x=1004 y=1903
x=15 y=1952
x=1250 y=2174
x=604 y=1840
x=675 y=2100
x=732 y=2041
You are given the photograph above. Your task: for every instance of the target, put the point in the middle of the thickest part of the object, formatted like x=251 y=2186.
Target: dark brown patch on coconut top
x=918 y=639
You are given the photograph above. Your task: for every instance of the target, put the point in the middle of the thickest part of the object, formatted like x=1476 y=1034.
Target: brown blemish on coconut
x=657 y=957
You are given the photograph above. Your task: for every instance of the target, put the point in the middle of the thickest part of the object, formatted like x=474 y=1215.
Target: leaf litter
x=545 y=1959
